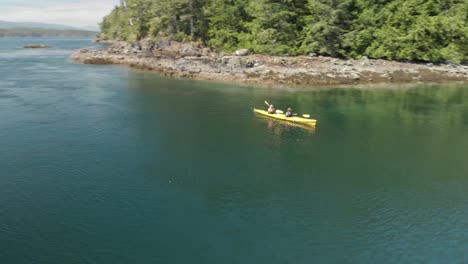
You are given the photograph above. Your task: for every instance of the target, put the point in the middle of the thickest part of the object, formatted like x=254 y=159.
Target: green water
x=101 y=164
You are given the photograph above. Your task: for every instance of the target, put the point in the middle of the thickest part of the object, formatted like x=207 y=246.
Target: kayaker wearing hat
x=271 y=110
x=289 y=112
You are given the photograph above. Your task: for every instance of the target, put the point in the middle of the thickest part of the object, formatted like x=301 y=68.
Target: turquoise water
x=102 y=164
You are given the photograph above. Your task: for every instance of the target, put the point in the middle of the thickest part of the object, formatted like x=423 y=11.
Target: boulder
x=242 y=52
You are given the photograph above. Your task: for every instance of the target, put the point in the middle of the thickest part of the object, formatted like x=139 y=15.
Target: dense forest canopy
x=425 y=30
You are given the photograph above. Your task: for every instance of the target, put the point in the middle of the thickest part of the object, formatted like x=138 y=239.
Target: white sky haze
x=76 y=13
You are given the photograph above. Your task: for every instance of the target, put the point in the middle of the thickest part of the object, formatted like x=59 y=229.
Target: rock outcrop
x=175 y=59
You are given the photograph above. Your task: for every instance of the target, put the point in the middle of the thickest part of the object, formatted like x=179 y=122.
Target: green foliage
x=426 y=30
x=327 y=23
x=273 y=28
x=411 y=30
x=226 y=23
x=116 y=24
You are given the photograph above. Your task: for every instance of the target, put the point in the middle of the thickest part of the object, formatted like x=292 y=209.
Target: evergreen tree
x=274 y=28
x=226 y=23
x=327 y=24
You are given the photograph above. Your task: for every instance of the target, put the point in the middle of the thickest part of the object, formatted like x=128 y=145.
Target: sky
x=78 y=13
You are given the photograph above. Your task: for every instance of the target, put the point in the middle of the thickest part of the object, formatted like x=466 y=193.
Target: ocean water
x=104 y=164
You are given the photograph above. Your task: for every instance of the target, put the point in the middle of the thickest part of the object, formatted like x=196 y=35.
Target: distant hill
x=44 y=32
x=90 y=28
x=10 y=25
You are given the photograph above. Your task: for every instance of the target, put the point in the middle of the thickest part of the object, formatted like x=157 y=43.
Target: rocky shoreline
x=182 y=60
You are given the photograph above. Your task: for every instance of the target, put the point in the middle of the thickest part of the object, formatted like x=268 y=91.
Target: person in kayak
x=271 y=110
x=289 y=112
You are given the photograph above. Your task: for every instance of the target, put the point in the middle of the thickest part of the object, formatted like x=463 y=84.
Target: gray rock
x=242 y=52
x=355 y=76
x=186 y=49
x=206 y=51
x=312 y=54
x=197 y=70
x=235 y=62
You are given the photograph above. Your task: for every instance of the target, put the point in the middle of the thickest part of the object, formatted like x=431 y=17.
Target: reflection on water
x=281 y=126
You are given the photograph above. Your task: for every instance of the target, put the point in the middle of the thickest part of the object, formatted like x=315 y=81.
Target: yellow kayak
x=294 y=119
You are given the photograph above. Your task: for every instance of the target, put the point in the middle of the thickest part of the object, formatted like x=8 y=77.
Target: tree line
x=416 y=30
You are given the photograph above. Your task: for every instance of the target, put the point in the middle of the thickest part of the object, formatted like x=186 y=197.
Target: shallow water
x=102 y=164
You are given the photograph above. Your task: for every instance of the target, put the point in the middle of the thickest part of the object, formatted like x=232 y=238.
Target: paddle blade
x=306 y=115
x=267 y=103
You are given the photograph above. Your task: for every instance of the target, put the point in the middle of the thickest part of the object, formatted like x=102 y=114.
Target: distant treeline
x=43 y=32
x=425 y=30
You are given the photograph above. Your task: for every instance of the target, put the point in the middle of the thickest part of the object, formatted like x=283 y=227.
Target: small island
x=36 y=46
x=306 y=43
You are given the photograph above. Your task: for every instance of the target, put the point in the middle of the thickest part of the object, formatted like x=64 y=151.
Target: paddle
x=304 y=115
x=277 y=110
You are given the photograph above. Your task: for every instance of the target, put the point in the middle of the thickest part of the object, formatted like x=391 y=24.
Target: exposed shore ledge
x=175 y=59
